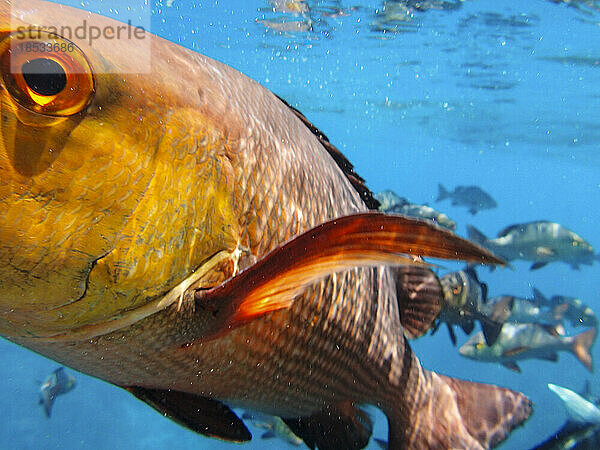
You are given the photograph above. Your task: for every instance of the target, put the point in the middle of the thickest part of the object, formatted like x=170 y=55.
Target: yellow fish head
x=102 y=157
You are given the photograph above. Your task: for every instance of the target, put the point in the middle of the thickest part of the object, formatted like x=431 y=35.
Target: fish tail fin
x=582 y=343
x=476 y=236
x=458 y=414
x=47 y=402
x=442 y=193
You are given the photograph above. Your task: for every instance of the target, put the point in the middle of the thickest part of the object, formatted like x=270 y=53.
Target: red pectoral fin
x=366 y=239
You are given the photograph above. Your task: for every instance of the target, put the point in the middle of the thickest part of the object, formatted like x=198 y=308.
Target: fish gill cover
x=495 y=94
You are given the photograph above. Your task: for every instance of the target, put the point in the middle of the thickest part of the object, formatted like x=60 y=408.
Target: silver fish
x=509 y=308
x=541 y=242
x=525 y=341
x=577 y=312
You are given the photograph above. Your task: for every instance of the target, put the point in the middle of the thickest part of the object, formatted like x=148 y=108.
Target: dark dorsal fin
x=343 y=426
x=451 y=333
x=506 y=230
x=491 y=329
x=346 y=166
x=467 y=326
x=200 y=414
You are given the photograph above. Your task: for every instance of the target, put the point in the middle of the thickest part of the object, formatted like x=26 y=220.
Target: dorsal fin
x=509 y=229
x=346 y=166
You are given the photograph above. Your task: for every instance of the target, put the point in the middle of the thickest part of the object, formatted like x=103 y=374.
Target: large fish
x=541 y=242
x=185 y=234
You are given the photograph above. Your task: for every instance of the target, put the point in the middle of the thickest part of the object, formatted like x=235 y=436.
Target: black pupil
x=44 y=76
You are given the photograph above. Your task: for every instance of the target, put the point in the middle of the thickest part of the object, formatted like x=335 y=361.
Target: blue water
x=500 y=94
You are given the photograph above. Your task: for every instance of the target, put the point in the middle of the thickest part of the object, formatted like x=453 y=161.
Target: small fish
x=541 y=242
x=581 y=431
x=577 y=312
x=508 y=308
x=464 y=301
x=472 y=197
x=525 y=341
x=392 y=203
x=57 y=383
x=274 y=427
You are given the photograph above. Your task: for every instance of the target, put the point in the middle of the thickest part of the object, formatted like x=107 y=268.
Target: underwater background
x=500 y=94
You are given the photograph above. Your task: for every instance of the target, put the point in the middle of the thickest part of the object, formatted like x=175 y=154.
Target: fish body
x=577 y=312
x=185 y=234
x=582 y=430
x=464 y=301
x=57 y=383
x=525 y=341
x=508 y=308
x=541 y=242
x=392 y=203
x=472 y=197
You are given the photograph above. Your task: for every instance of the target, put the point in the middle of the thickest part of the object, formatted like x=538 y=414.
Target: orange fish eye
x=45 y=73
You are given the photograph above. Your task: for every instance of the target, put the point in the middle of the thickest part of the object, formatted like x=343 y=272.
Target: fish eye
x=46 y=74
x=479 y=345
x=575 y=243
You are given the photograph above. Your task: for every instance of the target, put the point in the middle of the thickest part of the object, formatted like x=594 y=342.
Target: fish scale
x=321 y=370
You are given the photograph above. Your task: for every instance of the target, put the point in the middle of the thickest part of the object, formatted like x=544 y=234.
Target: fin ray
x=364 y=239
